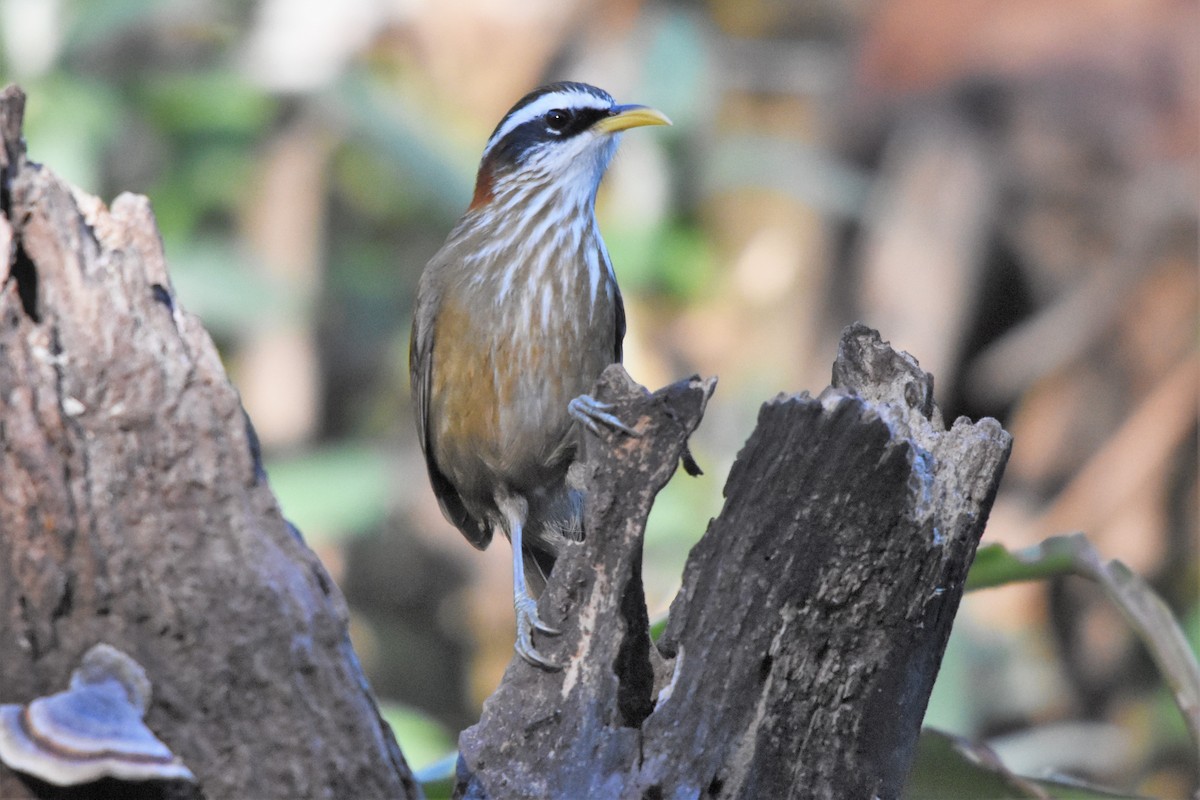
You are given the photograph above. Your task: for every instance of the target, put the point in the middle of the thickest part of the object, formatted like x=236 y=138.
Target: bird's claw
x=528 y=622
x=589 y=411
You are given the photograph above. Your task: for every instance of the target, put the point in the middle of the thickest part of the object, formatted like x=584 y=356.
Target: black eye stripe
x=580 y=119
x=524 y=139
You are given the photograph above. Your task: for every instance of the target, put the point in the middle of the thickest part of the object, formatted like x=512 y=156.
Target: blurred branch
x=1148 y=437
x=1059 y=333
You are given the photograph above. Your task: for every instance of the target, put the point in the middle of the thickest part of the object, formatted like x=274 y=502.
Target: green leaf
x=1142 y=608
x=69 y=122
x=658 y=624
x=423 y=740
x=673 y=259
x=949 y=766
x=218 y=283
x=215 y=102
x=437 y=779
x=995 y=565
x=333 y=492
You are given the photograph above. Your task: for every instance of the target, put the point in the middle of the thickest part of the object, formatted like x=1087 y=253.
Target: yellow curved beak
x=625 y=117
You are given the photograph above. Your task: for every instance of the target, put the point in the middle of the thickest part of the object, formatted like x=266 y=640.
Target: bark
x=134 y=511
x=803 y=645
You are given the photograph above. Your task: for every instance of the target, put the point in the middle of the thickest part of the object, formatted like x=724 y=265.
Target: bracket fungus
x=93 y=730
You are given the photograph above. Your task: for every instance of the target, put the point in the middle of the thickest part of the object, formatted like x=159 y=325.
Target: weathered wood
x=134 y=511
x=575 y=733
x=803 y=645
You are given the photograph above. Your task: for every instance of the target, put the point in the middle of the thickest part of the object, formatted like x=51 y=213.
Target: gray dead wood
x=134 y=511
x=803 y=645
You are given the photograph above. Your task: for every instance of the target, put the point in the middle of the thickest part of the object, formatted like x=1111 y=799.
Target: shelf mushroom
x=92 y=730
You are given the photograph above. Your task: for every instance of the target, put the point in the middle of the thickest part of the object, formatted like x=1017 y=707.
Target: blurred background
x=1007 y=190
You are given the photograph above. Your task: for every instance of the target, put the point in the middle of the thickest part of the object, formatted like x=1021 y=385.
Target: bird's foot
x=528 y=622
x=591 y=413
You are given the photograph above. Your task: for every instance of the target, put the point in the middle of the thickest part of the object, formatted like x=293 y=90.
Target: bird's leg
x=515 y=510
x=591 y=413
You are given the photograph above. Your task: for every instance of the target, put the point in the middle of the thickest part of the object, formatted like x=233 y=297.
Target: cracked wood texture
x=134 y=511
x=814 y=612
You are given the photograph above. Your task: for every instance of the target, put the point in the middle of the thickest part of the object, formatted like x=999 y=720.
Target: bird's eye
x=557 y=119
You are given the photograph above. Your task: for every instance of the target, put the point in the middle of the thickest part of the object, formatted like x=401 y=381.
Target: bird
x=515 y=318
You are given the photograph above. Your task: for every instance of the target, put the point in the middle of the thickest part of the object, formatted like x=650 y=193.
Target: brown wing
x=420 y=367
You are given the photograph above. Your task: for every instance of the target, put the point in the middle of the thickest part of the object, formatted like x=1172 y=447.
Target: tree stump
x=134 y=511
x=803 y=645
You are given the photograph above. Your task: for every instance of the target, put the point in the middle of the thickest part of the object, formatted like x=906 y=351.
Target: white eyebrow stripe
x=543 y=104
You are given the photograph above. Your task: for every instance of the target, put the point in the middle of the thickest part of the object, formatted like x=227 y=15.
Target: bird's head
x=562 y=135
